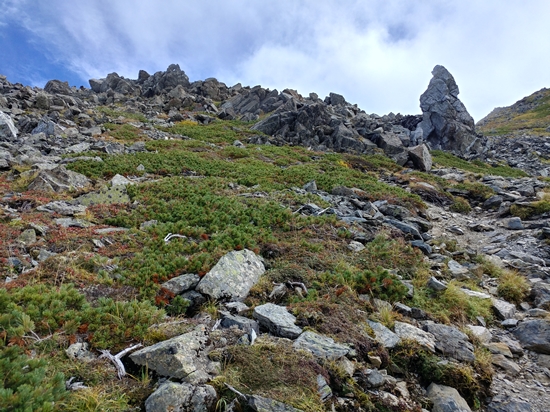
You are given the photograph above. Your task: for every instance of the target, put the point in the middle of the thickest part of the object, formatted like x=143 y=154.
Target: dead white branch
x=298 y=284
x=170 y=236
x=231 y=388
x=116 y=359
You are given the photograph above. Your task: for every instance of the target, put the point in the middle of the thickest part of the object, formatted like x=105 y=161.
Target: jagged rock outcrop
x=446 y=124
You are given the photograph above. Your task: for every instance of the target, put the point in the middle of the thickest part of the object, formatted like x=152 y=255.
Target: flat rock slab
x=407 y=331
x=182 y=283
x=107 y=195
x=62 y=207
x=321 y=346
x=383 y=335
x=181 y=357
x=504 y=310
x=181 y=397
x=261 y=404
x=233 y=276
x=451 y=342
x=278 y=320
x=534 y=335
x=58 y=180
x=446 y=399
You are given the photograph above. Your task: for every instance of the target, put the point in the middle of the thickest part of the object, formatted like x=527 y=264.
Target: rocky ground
x=54 y=216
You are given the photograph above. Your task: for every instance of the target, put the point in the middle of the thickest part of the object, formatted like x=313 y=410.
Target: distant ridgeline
x=286 y=117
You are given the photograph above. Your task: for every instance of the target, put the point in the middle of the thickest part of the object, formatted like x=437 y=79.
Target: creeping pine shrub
x=24 y=385
x=379 y=283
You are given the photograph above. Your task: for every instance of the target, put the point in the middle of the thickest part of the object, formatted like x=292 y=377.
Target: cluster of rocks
x=47 y=123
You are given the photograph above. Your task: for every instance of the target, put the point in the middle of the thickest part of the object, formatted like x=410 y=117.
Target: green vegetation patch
x=273 y=369
x=445 y=159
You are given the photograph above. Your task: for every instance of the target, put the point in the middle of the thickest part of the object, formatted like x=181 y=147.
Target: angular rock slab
x=261 y=404
x=278 y=320
x=7 y=128
x=233 y=276
x=321 y=346
x=421 y=157
x=534 y=335
x=181 y=397
x=58 y=180
x=383 y=335
x=451 y=342
x=504 y=310
x=182 y=283
x=407 y=331
x=446 y=399
x=181 y=357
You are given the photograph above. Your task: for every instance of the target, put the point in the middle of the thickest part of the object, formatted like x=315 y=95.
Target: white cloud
x=377 y=53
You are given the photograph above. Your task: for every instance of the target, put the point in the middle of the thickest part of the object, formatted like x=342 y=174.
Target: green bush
x=24 y=385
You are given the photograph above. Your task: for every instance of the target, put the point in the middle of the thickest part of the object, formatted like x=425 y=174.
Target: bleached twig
x=298 y=284
x=170 y=236
x=231 y=388
x=116 y=359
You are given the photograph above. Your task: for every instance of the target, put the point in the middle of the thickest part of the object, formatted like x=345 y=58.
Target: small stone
x=435 y=284
x=509 y=323
x=355 y=246
x=514 y=224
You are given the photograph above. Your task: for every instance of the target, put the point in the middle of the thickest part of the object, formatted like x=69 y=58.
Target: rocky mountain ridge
x=362 y=285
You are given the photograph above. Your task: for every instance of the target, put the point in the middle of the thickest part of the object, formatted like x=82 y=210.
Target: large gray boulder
x=540 y=293
x=421 y=157
x=446 y=124
x=233 y=276
x=534 y=335
x=383 y=335
x=278 y=320
x=58 y=87
x=451 y=342
x=165 y=81
x=321 y=346
x=181 y=397
x=407 y=331
x=59 y=180
x=183 y=357
x=7 y=128
x=446 y=399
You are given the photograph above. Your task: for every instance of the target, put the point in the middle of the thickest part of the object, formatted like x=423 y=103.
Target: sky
x=378 y=54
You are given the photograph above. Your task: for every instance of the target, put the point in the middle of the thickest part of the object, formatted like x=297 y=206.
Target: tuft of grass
x=124 y=132
x=532 y=209
x=460 y=205
x=272 y=368
x=512 y=287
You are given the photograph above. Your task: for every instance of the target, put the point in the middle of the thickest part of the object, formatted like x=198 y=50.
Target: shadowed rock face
x=446 y=124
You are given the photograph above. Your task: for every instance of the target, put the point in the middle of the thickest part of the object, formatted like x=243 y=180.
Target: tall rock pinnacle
x=446 y=124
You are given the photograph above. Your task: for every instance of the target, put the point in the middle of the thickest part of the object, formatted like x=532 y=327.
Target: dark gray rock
x=278 y=320
x=421 y=157
x=540 y=293
x=58 y=87
x=534 y=335
x=514 y=223
x=423 y=246
x=493 y=202
x=241 y=322
x=405 y=228
x=446 y=124
x=451 y=342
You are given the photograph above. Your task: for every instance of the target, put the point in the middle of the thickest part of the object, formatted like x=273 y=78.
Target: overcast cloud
x=377 y=53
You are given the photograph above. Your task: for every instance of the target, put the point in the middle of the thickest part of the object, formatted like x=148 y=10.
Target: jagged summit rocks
x=446 y=124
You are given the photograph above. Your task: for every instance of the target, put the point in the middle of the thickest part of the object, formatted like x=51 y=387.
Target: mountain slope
x=530 y=114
